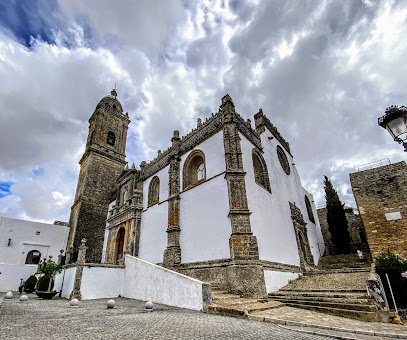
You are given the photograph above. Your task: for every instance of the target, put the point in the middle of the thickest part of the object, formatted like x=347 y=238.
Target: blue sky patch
x=5 y=188
x=26 y=18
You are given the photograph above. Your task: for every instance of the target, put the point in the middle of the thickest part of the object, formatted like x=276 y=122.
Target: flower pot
x=46 y=295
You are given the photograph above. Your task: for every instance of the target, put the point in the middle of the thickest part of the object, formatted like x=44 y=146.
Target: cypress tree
x=338 y=225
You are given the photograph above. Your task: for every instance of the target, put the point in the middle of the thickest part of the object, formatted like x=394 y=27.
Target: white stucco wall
x=271 y=217
x=149 y=282
x=68 y=276
x=10 y=275
x=204 y=222
x=153 y=235
x=99 y=283
x=154 y=221
x=23 y=237
x=276 y=280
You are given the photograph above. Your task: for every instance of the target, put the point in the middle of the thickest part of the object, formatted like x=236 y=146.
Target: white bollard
x=110 y=303
x=23 y=298
x=149 y=306
x=74 y=303
x=9 y=295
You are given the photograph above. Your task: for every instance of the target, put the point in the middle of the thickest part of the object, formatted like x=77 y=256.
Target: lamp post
x=395 y=122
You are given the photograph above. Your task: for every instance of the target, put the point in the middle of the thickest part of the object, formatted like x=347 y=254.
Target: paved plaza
x=54 y=319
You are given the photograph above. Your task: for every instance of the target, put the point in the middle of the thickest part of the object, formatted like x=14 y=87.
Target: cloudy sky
x=323 y=72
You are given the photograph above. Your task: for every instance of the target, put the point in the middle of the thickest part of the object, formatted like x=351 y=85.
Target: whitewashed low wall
x=68 y=277
x=11 y=274
x=276 y=280
x=149 y=282
x=99 y=282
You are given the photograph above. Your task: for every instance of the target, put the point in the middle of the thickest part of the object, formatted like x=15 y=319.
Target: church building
x=223 y=204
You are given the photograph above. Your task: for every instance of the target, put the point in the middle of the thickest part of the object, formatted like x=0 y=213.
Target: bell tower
x=101 y=164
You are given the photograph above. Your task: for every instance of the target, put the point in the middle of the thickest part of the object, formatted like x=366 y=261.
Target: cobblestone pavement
x=301 y=319
x=54 y=319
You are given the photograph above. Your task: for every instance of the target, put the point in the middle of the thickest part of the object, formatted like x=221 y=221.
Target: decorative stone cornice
x=122 y=216
x=296 y=214
x=203 y=131
x=261 y=121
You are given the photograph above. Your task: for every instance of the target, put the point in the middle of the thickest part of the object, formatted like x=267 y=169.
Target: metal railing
x=375 y=164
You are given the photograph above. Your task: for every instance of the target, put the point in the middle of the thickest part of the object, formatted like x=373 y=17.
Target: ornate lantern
x=395 y=122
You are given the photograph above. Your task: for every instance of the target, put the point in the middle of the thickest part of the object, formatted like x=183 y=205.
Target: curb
x=337 y=329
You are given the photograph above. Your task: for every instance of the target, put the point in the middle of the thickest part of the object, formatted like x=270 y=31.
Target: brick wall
x=382 y=192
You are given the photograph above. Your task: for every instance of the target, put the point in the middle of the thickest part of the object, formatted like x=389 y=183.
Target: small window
x=154 y=191
x=111 y=138
x=114 y=107
x=37 y=233
x=261 y=176
x=283 y=160
x=309 y=210
x=194 y=171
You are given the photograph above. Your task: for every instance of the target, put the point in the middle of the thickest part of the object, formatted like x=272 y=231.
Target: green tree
x=338 y=225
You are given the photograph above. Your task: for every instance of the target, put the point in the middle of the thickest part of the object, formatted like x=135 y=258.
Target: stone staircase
x=337 y=286
x=343 y=263
x=224 y=303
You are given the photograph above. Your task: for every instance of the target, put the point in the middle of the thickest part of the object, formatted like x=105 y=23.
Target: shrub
x=390 y=263
x=30 y=283
x=42 y=283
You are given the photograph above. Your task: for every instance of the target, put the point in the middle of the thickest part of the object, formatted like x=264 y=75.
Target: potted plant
x=46 y=282
x=29 y=285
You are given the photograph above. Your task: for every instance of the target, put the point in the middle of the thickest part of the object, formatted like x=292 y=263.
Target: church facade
x=223 y=204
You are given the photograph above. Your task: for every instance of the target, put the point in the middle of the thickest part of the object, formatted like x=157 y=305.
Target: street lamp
x=395 y=121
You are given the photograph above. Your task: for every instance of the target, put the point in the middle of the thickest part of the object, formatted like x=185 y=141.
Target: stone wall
x=355 y=229
x=381 y=197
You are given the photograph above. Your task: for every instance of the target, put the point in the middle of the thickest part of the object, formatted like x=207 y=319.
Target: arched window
x=309 y=210
x=33 y=257
x=261 y=176
x=282 y=157
x=154 y=191
x=111 y=138
x=194 y=171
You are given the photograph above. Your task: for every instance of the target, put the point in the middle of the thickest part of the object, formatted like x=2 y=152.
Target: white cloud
x=322 y=72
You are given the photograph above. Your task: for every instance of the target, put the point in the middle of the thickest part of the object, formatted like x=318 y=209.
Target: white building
x=223 y=204
x=23 y=244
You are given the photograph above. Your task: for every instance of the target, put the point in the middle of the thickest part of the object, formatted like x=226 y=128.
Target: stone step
x=350 y=291
x=347 y=313
x=224 y=297
x=335 y=305
x=330 y=294
x=360 y=301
